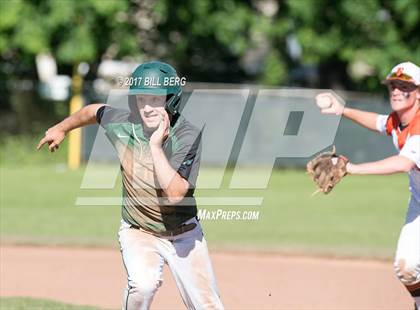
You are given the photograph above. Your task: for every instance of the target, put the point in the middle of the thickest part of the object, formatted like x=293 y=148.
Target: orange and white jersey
x=407 y=141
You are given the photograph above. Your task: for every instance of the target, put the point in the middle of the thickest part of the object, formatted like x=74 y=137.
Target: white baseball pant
x=407 y=258
x=186 y=254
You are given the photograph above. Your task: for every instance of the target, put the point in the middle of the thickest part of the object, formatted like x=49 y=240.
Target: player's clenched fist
x=53 y=136
x=329 y=104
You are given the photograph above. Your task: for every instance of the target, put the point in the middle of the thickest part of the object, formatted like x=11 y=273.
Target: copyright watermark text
x=228 y=215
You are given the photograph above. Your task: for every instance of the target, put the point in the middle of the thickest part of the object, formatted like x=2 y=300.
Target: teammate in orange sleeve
x=403 y=124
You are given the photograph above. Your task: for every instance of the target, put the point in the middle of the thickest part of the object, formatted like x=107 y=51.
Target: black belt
x=169 y=233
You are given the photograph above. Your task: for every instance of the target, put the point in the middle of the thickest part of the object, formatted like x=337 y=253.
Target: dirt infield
x=246 y=280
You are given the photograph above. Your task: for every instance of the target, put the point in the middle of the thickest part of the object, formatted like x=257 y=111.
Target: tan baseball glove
x=327 y=169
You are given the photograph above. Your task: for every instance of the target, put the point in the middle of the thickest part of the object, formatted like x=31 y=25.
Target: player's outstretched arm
x=363 y=118
x=390 y=165
x=56 y=134
x=329 y=104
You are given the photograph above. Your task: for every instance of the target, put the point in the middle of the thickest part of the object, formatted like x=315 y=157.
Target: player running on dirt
x=159 y=152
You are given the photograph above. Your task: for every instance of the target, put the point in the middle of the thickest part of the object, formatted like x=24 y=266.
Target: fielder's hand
x=327 y=169
x=160 y=134
x=53 y=136
x=329 y=104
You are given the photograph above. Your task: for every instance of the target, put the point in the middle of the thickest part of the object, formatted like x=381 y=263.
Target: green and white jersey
x=144 y=204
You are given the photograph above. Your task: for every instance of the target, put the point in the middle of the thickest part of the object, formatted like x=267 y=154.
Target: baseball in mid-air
x=324 y=102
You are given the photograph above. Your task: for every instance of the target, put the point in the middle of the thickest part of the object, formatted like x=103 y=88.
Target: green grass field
x=360 y=218
x=23 y=303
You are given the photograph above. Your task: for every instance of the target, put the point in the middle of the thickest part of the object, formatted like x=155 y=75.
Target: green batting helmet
x=157 y=78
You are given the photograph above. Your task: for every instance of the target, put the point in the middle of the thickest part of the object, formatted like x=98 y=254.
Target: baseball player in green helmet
x=159 y=153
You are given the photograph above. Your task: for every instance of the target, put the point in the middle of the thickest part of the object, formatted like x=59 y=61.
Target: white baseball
x=324 y=102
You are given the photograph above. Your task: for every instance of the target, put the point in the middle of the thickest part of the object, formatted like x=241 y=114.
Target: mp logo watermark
x=238 y=134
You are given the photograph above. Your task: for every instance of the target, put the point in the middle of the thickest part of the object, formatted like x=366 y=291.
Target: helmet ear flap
x=172 y=103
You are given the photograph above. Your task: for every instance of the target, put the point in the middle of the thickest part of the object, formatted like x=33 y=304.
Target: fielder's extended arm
x=390 y=165
x=363 y=118
x=56 y=134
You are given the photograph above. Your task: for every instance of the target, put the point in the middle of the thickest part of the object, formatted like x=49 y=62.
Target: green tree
x=352 y=43
x=72 y=31
x=374 y=34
